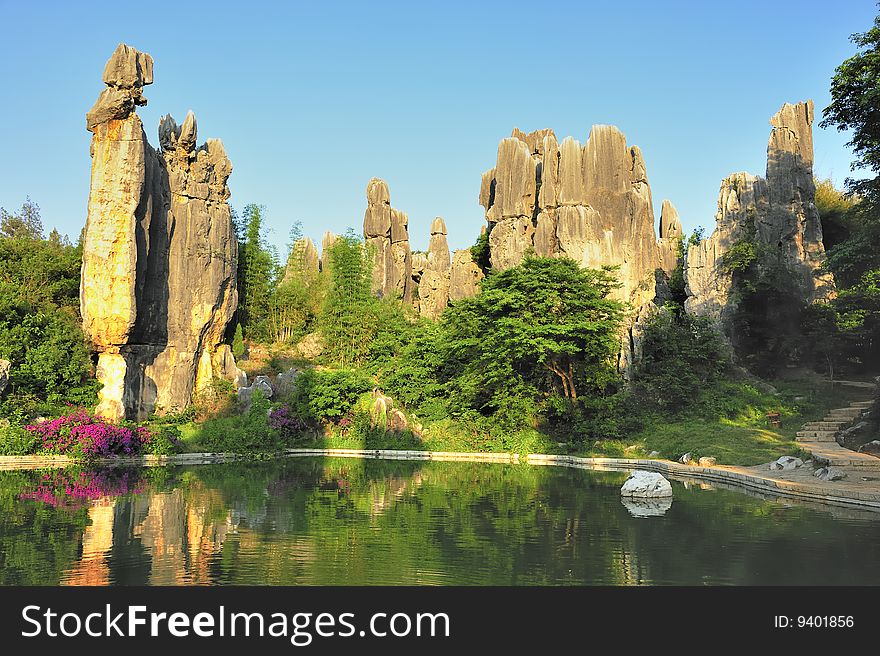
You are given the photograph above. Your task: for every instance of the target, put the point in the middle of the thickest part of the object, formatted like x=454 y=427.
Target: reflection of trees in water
x=342 y=521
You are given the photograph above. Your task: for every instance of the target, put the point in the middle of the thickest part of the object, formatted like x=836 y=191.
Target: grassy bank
x=739 y=434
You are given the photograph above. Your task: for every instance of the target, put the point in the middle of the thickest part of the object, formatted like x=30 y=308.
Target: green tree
x=24 y=224
x=238 y=342
x=855 y=106
x=546 y=327
x=348 y=317
x=40 y=330
x=296 y=299
x=855 y=260
x=682 y=354
x=835 y=212
x=256 y=274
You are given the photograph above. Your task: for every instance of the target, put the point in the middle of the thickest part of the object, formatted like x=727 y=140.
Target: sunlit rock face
x=386 y=234
x=591 y=203
x=158 y=284
x=780 y=209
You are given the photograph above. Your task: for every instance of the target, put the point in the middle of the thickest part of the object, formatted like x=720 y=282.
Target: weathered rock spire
x=159 y=257
x=779 y=210
x=386 y=232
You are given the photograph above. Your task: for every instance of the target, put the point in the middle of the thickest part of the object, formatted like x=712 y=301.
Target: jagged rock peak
x=534 y=140
x=128 y=68
x=386 y=233
x=377 y=193
x=125 y=74
x=670 y=223
x=792 y=133
x=438 y=226
x=178 y=137
x=779 y=210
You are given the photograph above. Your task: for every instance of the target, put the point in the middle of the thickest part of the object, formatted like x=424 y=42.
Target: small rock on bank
x=645 y=484
x=829 y=474
x=786 y=463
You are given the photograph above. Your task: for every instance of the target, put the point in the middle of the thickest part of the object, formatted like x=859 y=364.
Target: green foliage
x=858 y=320
x=676 y=279
x=39 y=324
x=247 y=432
x=348 y=316
x=766 y=316
x=16 y=441
x=164 y=441
x=257 y=270
x=296 y=298
x=543 y=328
x=25 y=224
x=835 y=212
x=238 y=343
x=682 y=356
x=321 y=396
x=855 y=99
x=480 y=252
x=410 y=376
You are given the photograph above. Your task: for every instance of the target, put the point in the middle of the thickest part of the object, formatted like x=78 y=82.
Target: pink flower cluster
x=79 y=433
x=72 y=492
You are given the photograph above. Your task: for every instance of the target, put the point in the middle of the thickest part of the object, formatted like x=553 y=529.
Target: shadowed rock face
x=158 y=278
x=781 y=209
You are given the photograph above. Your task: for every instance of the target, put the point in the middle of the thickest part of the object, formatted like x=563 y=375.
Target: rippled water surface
x=341 y=521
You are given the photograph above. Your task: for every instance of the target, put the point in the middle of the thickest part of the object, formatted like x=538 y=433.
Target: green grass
x=746 y=438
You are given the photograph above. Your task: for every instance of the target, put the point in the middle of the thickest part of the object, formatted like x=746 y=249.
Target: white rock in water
x=646 y=484
x=642 y=507
x=786 y=463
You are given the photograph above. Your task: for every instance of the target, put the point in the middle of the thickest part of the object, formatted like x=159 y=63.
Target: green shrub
x=16 y=441
x=164 y=441
x=248 y=432
x=322 y=396
x=682 y=356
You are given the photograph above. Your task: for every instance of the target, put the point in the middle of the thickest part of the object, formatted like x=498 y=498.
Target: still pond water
x=341 y=521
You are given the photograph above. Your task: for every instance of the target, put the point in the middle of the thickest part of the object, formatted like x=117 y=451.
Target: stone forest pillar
x=158 y=285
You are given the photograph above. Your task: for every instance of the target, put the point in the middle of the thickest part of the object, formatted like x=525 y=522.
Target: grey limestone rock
x=780 y=209
x=158 y=285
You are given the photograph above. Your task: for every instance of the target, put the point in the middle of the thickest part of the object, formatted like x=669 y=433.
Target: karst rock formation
x=589 y=202
x=387 y=236
x=158 y=286
x=779 y=209
x=427 y=280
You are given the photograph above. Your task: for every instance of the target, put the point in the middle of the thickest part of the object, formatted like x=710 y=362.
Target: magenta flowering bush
x=81 y=434
x=72 y=491
x=283 y=420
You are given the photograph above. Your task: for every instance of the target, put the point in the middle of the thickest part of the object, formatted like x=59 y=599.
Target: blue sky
x=313 y=99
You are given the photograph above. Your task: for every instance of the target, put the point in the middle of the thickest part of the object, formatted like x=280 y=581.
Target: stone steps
x=816 y=436
x=842 y=415
x=824 y=425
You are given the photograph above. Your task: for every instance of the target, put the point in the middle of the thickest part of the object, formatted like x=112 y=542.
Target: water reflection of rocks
x=646 y=507
x=180 y=533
